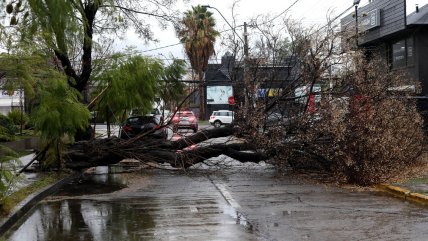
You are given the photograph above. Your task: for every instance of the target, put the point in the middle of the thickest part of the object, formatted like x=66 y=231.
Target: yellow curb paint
x=404 y=193
x=420 y=198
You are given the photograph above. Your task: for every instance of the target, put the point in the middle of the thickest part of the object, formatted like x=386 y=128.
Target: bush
x=8 y=178
x=5 y=134
x=8 y=127
x=15 y=117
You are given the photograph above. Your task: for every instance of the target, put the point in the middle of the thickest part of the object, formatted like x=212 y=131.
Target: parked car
x=221 y=117
x=137 y=125
x=185 y=120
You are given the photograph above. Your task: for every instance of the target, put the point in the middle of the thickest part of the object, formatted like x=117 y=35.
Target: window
x=399 y=54
x=403 y=53
x=410 y=52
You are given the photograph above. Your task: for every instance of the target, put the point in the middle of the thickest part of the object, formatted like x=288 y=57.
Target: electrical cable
x=286 y=10
x=232 y=29
x=277 y=16
x=172 y=45
x=335 y=18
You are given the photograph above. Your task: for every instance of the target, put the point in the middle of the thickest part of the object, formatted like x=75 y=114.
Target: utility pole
x=245 y=76
x=356 y=2
x=245 y=40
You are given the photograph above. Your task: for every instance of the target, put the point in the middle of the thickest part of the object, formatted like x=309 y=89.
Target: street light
x=356 y=2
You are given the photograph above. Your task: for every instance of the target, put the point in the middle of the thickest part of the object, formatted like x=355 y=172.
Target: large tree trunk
x=182 y=153
x=201 y=76
x=76 y=80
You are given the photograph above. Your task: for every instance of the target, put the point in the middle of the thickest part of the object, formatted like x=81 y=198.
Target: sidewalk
x=33 y=191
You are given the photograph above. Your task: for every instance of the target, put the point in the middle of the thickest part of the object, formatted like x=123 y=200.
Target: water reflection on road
x=87 y=220
x=246 y=203
x=178 y=208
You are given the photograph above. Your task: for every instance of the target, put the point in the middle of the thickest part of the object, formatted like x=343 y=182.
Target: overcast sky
x=308 y=11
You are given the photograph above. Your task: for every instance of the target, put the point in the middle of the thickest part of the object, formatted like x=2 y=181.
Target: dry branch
x=182 y=153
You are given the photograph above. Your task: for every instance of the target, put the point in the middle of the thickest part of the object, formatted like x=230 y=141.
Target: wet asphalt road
x=234 y=205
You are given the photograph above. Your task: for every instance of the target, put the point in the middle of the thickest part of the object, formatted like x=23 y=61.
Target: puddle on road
x=93 y=184
x=139 y=214
x=71 y=220
x=238 y=217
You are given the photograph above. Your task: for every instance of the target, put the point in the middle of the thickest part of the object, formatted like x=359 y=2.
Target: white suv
x=221 y=117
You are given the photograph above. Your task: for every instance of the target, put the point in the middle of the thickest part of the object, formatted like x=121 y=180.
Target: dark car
x=185 y=120
x=137 y=125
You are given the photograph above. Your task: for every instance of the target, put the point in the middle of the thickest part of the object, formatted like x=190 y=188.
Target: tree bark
x=182 y=153
x=201 y=76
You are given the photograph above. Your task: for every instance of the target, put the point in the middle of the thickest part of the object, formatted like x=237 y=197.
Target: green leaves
x=19 y=72
x=60 y=113
x=170 y=89
x=7 y=171
x=56 y=19
x=133 y=81
x=131 y=84
x=198 y=36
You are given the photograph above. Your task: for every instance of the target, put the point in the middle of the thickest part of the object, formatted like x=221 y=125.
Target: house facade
x=402 y=39
x=225 y=80
x=9 y=101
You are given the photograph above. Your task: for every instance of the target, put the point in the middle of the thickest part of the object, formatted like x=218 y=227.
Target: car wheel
x=217 y=124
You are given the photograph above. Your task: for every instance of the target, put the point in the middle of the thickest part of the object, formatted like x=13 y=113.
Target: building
x=225 y=80
x=402 y=39
x=10 y=102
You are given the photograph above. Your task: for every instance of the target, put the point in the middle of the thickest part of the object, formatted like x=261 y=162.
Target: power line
x=239 y=26
x=286 y=10
x=172 y=45
x=231 y=29
x=334 y=19
x=163 y=47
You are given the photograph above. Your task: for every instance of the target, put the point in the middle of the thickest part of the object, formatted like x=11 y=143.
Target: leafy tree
x=69 y=28
x=7 y=128
x=18 y=117
x=170 y=89
x=19 y=72
x=131 y=84
x=198 y=36
x=8 y=178
x=59 y=114
x=134 y=81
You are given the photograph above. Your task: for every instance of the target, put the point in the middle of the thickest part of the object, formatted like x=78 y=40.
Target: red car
x=185 y=120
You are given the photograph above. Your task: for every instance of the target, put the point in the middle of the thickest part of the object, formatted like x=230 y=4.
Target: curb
x=404 y=194
x=32 y=200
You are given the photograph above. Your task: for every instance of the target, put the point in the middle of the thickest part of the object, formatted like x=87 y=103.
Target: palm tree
x=198 y=37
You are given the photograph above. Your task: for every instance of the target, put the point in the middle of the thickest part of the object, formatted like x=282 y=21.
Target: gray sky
x=310 y=12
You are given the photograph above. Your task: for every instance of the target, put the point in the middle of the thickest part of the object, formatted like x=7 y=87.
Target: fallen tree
x=181 y=153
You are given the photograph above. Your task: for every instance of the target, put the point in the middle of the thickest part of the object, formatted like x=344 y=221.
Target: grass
x=7 y=205
x=423 y=180
x=24 y=153
x=25 y=134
